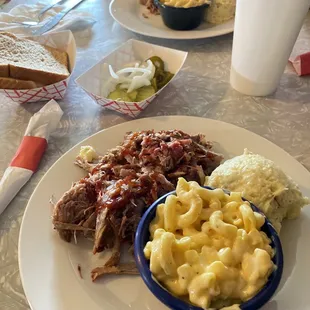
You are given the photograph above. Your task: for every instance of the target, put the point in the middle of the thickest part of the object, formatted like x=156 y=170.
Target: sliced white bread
x=4 y=68
x=29 y=60
x=10 y=83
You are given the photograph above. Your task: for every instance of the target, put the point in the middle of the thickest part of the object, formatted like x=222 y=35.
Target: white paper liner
x=93 y=79
x=14 y=178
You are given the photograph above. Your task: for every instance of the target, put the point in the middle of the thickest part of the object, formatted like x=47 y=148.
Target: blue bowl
x=175 y=303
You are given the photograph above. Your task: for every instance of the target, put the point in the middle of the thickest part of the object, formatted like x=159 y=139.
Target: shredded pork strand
x=80 y=271
x=128 y=269
x=107 y=204
x=150 y=5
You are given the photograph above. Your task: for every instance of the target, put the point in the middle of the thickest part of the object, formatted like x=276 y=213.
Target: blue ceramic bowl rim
x=173 y=302
x=164 y=6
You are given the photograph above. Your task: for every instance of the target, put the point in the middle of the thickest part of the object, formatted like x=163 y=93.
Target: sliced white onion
x=133 y=70
x=132 y=78
x=132 y=74
x=124 y=86
x=152 y=68
x=109 y=87
x=138 y=82
x=113 y=74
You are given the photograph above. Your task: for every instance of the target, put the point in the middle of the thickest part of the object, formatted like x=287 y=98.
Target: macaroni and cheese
x=207 y=245
x=184 y=3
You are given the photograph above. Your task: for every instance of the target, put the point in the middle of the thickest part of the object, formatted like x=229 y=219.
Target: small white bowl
x=93 y=79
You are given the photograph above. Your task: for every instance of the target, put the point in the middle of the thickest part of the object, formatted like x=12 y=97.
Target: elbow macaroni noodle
x=184 y=3
x=207 y=245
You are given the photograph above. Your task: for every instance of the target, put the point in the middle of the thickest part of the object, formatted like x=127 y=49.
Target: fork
x=40 y=14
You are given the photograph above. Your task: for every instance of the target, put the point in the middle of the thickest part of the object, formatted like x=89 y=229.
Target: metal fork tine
x=40 y=14
x=48 y=7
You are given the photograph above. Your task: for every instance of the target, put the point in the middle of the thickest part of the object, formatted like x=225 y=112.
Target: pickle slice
x=145 y=92
x=119 y=95
x=160 y=79
x=133 y=95
x=157 y=62
x=165 y=79
x=154 y=84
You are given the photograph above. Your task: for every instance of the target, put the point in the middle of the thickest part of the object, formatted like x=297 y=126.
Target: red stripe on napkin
x=29 y=153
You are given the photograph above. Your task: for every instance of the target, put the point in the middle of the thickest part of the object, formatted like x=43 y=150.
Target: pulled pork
x=150 y=5
x=108 y=204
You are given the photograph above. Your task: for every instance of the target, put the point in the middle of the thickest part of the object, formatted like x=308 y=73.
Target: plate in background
x=129 y=14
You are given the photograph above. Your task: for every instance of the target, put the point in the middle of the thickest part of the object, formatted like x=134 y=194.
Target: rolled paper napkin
x=301 y=63
x=74 y=20
x=30 y=152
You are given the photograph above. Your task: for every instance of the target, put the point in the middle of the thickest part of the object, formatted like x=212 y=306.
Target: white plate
x=129 y=14
x=48 y=265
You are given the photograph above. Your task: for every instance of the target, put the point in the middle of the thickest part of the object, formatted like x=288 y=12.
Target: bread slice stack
x=26 y=64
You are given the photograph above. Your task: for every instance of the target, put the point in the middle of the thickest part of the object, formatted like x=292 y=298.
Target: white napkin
x=74 y=20
x=26 y=159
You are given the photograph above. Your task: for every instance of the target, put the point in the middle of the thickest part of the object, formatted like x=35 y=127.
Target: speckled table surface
x=201 y=89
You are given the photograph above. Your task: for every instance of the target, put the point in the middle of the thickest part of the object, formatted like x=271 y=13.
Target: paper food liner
x=63 y=41
x=93 y=79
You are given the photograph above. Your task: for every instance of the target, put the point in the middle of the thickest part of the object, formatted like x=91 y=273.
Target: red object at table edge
x=301 y=64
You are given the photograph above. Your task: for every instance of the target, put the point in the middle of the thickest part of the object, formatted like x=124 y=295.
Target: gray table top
x=201 y=89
